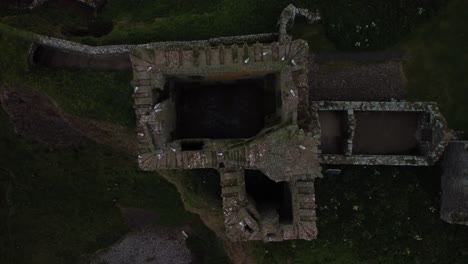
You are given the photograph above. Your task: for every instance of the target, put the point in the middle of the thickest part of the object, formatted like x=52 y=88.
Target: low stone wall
x=125 y=48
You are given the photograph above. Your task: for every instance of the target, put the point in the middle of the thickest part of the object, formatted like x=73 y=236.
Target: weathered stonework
x=295 y=138
x=289 y=148
x=288 y=16
x=454 y=206
x=283 y=150
x=431 y=121
x=70 y=46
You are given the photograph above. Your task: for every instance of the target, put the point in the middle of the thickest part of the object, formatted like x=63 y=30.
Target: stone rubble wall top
x=125 y=48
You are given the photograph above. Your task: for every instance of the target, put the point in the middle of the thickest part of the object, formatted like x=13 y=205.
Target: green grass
x=14 y=44
x=383 y=23
x=97 y=94
x=48 y=20
x=435 y=64
x=376 y=215
x=101 y=95
x=314 y=34
x=63 y=201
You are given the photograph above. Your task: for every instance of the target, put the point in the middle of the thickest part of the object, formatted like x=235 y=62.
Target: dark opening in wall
x=269 y=194
x=221 y=109
x=192 y=145
x=160 y=95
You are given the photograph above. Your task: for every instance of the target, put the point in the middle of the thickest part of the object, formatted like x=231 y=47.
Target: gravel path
x=161 y=246
x=351 y=81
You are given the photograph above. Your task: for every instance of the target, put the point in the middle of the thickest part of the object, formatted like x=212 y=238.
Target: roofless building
x=242 y=108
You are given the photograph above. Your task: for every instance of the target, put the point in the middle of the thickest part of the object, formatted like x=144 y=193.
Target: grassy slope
x=102 y=95
x=63 y=198
x=63 y=201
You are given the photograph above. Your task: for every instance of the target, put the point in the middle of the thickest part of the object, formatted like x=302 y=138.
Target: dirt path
x=37 y=117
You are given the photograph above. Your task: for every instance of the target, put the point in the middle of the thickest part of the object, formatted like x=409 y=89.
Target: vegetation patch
x=102 y=95
x=435 y=64
x=376 y=215
x=61 y=203
x=350 y=25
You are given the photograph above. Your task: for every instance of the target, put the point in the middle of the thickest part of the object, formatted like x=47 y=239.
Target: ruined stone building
x=243 y=109
x=241 y=105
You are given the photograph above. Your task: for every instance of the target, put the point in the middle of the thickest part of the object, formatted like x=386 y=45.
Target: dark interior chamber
x=221 y=109
x=269 y=194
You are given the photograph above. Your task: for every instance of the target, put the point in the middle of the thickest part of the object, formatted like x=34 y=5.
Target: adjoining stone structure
x=381 y=133
x=244 y=110
x=454 y=207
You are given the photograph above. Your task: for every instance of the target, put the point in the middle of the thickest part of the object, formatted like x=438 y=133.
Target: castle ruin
x=241 y=105
x=244 y=109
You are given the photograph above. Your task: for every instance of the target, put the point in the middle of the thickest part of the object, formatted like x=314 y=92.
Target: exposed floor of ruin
x=386 y=133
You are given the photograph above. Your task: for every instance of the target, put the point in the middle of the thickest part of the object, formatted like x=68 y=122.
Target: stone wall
x=454 y=183
x=431 y=149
